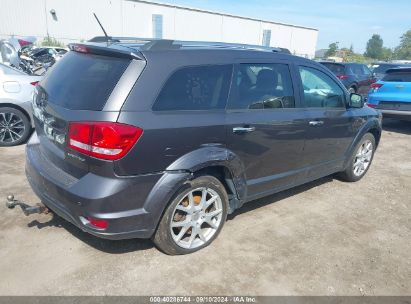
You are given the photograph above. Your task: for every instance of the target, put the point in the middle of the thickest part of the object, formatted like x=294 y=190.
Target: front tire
x=194 y=218
x=360 y=160
x=15 y=127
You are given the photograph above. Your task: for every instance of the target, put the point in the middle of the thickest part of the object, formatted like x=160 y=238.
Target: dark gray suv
x=162 y=139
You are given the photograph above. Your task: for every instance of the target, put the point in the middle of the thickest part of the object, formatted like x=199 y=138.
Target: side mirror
x=356 y=101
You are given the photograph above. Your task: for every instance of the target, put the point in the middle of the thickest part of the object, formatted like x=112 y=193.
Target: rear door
x=330 y=124
x=265 y=124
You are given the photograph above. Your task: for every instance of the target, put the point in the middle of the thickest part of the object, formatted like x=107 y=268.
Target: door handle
x=316 y=123
x=243 y=129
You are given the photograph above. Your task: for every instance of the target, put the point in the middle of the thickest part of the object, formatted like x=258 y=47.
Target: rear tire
x=194 y=218
x=15 y=127
x=360 y=160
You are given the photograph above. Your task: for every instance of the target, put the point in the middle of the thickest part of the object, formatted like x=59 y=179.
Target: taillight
x=34 y=83
x=375 y=86
x=342 y=77
x=101 y=224
x=371 y=105
x=104 y=140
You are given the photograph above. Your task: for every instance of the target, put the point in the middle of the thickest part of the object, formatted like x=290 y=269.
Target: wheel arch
x=219 y=162
x=216 y=161
x=372 y=126
x=17 y=107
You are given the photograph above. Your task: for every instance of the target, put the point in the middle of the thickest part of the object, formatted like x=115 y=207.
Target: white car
x=16 y=90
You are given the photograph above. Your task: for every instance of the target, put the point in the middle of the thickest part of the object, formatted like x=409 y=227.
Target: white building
x=72 y=20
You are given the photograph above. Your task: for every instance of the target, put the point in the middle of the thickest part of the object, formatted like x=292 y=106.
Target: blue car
x=392 y=94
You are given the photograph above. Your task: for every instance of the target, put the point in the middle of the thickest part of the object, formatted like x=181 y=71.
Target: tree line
x=375 y=50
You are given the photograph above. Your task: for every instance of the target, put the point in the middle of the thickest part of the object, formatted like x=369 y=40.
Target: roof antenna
x=104 y=31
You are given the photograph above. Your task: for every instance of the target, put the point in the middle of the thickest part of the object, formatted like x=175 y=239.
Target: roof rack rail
x=167 y=44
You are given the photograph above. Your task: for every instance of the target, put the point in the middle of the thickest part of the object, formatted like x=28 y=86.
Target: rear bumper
x=127 y=203
x=405 y=115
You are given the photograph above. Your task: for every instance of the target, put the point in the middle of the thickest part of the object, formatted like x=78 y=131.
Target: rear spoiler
x=112 y=50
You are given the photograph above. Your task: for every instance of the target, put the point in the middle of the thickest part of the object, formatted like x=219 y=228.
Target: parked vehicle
x=392 y=94
x=16 y=93
x=45 y=57
x=379 y=69
x=356 y=77
x=162 y=139
x=20 y=54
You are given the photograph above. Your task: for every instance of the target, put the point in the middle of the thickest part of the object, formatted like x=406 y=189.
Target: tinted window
x=83 y=81
x=196 y=88
x=262 y=86
x=320 y=90
x=337 y=69
x=398 y=77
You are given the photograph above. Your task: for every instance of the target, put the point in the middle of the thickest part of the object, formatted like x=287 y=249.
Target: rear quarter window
x=398 y=77
x=83 y=81
x=195 y=88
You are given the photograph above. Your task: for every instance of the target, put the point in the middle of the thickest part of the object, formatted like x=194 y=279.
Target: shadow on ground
x=107 y=246
x=279 y=196
x=398 y=126
x=131 y=245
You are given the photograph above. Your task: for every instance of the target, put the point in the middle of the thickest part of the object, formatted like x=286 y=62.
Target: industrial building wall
x=73 y=21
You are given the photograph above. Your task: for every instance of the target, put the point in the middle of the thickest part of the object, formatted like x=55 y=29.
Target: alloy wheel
x=196 y=218
x=363 y=158
x=12 y=127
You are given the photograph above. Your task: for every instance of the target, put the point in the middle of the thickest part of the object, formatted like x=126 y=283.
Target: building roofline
x=221 y=14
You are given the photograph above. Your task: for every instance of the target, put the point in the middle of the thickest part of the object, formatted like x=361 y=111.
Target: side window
x=262 y=86
x=357 y=69
x=320 y=90
x=196 y=88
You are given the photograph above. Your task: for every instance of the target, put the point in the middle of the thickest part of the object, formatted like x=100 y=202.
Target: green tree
x=332 y=49
x=50 y=41
x=403 y=51
x=351 y=50
x=345 y=53
x=375 y=47
x=387 y=53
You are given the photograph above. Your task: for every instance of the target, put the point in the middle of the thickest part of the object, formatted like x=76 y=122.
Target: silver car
x=16 y=89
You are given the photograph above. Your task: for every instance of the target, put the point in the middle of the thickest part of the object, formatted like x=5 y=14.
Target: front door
x=331 y=125
x=266 y=125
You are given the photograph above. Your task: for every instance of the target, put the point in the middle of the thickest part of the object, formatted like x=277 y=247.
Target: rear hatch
x=83 y=90
x=337 y=69
x=394 y=87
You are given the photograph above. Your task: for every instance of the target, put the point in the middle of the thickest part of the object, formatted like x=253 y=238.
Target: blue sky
x=347 y=21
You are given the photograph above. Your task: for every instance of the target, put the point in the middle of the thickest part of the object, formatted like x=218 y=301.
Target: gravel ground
x=324 y=238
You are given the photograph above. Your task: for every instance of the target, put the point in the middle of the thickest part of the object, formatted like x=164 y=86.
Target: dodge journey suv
x=162 y=139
